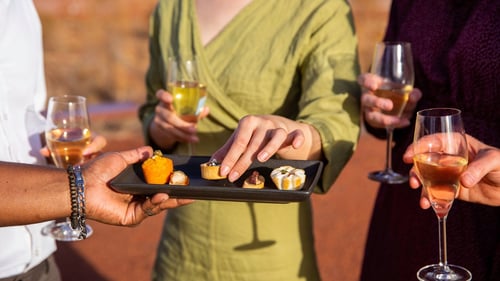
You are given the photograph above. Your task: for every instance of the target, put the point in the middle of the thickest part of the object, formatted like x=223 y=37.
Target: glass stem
x=443 y=251
x=388 y=150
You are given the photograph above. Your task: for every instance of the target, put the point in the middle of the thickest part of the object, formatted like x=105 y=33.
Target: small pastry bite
x=178 y=178
x=157 y=168
x=210 y=170
x=255 y=180
x=288 y=178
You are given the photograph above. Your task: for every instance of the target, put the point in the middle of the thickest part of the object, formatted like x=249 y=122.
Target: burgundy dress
x=456 y=48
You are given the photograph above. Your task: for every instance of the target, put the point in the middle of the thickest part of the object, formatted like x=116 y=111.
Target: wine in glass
x=393 y=63
x=188 y=93
x=440 y=156
x=67 y=133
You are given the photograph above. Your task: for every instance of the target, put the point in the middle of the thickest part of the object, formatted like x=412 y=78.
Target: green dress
x=296 y=59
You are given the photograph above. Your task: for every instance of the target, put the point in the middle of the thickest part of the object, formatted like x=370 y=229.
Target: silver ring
x=149 y=212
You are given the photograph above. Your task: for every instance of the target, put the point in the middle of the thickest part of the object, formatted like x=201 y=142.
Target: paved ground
x=341 y=221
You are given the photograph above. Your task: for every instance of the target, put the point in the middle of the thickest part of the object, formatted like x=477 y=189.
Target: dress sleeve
x=154 y=80
x=331 y=94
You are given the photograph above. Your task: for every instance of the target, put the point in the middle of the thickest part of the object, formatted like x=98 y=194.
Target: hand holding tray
x=131 y=181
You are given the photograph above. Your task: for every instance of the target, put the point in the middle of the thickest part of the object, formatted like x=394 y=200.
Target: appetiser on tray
x=159 y=169
x=197 y=177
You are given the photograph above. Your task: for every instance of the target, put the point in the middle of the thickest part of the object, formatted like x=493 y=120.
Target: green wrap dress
x=292 y=58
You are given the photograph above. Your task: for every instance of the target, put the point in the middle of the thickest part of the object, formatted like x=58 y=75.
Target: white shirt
x=22 y=98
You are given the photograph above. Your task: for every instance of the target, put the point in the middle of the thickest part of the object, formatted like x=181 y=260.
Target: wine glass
x=393 y=63
x=67 y=133
x=188 y=93
x=440 y=156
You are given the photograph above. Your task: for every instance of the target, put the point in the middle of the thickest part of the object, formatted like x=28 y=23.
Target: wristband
x=77 y=192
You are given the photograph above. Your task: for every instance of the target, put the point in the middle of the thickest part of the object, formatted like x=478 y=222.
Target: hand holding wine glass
x=67 y=133
x=440 y=155
x=188 y=93
x=393 y=64
x=480 y=181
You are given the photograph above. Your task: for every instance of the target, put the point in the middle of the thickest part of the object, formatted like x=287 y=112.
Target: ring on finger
x=149 y=212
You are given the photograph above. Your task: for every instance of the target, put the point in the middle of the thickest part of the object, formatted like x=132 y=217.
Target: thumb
x=135 y=155
x=477 y=169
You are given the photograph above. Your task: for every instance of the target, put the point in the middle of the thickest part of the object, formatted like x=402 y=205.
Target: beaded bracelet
x=77 y=192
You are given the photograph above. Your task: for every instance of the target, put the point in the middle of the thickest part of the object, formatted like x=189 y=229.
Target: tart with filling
x=211 y=170
x=288 y=178
x=255 y=180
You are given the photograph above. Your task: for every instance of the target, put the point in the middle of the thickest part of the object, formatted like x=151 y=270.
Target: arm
x=30 y=193
x=154 y=83
x=371 y=106
x=326 y=125
x=163 y=129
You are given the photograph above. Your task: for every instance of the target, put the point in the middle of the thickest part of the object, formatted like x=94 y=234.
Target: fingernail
x=263 y=156
x=234 y=176
x=224 y=170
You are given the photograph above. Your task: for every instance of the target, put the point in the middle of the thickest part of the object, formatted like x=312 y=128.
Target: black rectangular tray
x=131 y=181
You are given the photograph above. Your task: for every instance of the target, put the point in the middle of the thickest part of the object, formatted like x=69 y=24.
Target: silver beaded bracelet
x=77 y=191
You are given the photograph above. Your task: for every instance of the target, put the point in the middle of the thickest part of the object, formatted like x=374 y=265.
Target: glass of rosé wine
x=393 y=63
x=440 y=156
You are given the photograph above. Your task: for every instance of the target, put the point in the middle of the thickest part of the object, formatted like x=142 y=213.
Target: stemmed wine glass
x=67 y=133
x=393 y=63
x=188 y=93
x=440 y=156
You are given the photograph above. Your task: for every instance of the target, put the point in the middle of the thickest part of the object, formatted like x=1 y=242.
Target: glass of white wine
x=67 y=133
x=440 y=156
x=188 y=93
x=393 y=63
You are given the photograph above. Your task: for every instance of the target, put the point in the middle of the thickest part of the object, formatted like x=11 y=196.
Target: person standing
x=26 y=252
x=281 y=81
x=456 y=50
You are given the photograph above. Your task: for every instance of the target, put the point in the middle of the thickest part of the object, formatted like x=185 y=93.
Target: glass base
x=389 y=177
x=436 y=272
x=63 y=232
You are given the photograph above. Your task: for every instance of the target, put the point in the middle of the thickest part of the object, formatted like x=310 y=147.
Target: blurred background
x=99 y=49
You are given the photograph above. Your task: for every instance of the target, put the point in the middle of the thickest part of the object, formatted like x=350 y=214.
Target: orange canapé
x=158 y=168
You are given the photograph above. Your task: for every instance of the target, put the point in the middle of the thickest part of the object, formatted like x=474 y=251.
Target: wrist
x=77 y=197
